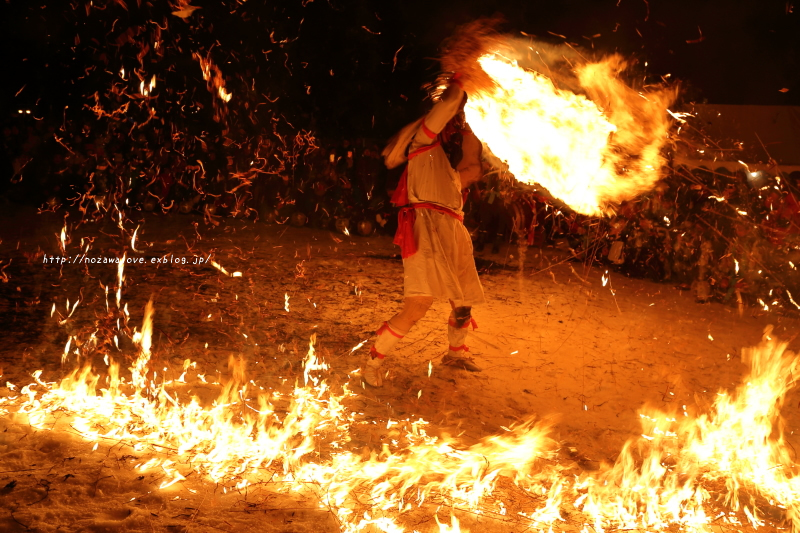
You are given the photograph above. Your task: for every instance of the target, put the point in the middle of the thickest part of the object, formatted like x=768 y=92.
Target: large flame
x=734 y=456
x=728 y=466
x=590 y=147
x=239 y=440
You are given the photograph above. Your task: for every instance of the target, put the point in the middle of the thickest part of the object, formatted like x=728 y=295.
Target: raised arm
x=441 y=113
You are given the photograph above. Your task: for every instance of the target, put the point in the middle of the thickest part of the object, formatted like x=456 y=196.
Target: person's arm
x=441 y=113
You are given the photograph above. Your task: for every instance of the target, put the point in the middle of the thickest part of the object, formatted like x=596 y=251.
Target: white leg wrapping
x=457 y=352
x=456 y=336
x=388 y=337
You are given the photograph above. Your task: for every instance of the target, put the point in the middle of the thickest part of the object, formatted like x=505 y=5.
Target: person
x=494 y=216
x=443 y=157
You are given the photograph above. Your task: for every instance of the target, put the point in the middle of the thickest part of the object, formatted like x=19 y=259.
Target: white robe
x=444 y=266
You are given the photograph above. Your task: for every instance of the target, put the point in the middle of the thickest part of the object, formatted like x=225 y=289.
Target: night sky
x=356 y=67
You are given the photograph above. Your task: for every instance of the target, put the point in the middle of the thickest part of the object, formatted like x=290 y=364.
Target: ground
x=558 y=340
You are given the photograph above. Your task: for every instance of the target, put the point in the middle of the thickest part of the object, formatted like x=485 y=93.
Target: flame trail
x=667 y=478
x=238 y=440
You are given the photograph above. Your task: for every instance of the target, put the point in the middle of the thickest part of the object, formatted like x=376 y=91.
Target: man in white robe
x=436 y=247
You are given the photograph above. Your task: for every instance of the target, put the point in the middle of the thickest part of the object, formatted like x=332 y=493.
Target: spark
x=62 y=239
x=789 y=294
x=66 y=350
x=353 y=349
x=219 y=267
x=120 y=279
x=133 y=239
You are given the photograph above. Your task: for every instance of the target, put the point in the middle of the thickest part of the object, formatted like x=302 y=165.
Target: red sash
x=404 y=237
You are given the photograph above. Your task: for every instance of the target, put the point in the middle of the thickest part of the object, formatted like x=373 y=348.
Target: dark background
x=356 y=67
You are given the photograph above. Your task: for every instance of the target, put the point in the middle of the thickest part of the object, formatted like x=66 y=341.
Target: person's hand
x=453 y=92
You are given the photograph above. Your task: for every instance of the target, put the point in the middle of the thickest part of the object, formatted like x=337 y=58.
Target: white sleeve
x=441 y=113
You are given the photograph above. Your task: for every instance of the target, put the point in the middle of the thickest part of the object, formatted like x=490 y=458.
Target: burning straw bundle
x=461 y=53
x=462 y=50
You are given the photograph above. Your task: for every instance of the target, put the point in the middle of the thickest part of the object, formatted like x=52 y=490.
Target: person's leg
x=390 y=333
x=457 y=328
x=414 y=308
